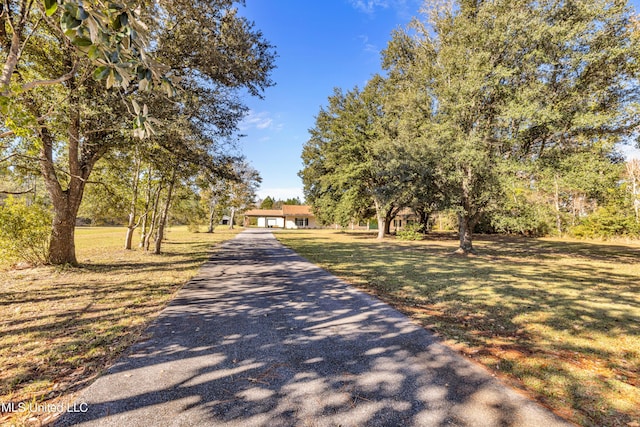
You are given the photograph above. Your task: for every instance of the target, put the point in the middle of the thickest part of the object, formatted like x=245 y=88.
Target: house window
x=302 y=222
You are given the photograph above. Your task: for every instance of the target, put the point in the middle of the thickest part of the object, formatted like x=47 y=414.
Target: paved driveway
x=262 y=337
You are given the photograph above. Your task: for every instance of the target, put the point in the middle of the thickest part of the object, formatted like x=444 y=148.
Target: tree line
x=272 y=203
x=124 y=105
x=505 y=113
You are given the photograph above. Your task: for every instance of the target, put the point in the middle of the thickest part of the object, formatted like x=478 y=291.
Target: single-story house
x=290 y=216
x=403 y=218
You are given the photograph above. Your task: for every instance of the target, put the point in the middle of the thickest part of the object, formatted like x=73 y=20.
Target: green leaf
x=81 y=41
x=70 y=8
x=142 y=72
x=68 y=22
x=124 y=19
x=50 y=7
x=81 y=14
x=101 y=72
x=93 y=52
x=75 y=23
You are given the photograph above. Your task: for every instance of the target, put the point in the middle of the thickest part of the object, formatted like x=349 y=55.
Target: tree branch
x=15 y=193
x=61 y=79
x=26 y=40
x=8 y=157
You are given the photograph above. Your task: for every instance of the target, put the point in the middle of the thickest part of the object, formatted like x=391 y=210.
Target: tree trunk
x=232 y=218
x=65 y=202
x=65 y=211
x=62 y=249
x=465 y=228
x=423 y=219
x=636 y=202
x=380 y=217
x=387 y=223
x=129 y=236
x=212 y=212
x=154 y=218
x=147 y=206
x=467 y=218
x=557 y=204
x=14 y=50
x=389 y=216
x=633 y=170
x=131 y=226
x=165 y=214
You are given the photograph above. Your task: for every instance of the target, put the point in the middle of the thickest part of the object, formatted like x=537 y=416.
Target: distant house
x=300 y=216
x=403 y=218
x=290 y=216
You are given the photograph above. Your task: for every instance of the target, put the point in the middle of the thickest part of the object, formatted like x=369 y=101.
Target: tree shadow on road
x=261 y=339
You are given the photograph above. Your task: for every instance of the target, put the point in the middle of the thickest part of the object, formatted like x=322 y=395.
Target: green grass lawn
x=62 y=326
x=559 y=319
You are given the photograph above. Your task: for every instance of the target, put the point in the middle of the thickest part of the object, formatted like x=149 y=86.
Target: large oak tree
x=519 y=80
x=68 y=79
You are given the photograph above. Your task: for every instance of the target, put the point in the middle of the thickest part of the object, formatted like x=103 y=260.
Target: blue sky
x=320 y=45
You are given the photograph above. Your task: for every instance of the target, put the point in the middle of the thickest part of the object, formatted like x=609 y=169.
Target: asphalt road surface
x=262 y=337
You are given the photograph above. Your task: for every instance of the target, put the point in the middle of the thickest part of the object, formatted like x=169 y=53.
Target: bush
x=24 y=232
x=615 y=219
x=607 y=222
x=193 y=227
x=411 y=232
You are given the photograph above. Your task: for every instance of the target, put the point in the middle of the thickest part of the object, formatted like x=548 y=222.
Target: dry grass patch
x=62 y=326
x=557 y=318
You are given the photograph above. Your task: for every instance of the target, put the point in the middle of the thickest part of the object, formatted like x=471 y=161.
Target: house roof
x=264 y=212
x=291 y=210
x=287 y=210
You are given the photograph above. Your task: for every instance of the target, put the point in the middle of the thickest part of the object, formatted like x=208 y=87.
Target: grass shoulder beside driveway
x=559 y=319
x=63 y=326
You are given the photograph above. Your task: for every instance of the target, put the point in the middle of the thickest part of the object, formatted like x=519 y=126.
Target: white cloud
x=368 y=47
x=261 y=121
x=369 y=6
x=404 y=9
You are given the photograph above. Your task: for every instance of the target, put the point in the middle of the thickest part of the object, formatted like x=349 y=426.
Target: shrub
x=607 y=222
x=24 y=231
x=193 y=227
x=411 y=232
x=615 y=219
